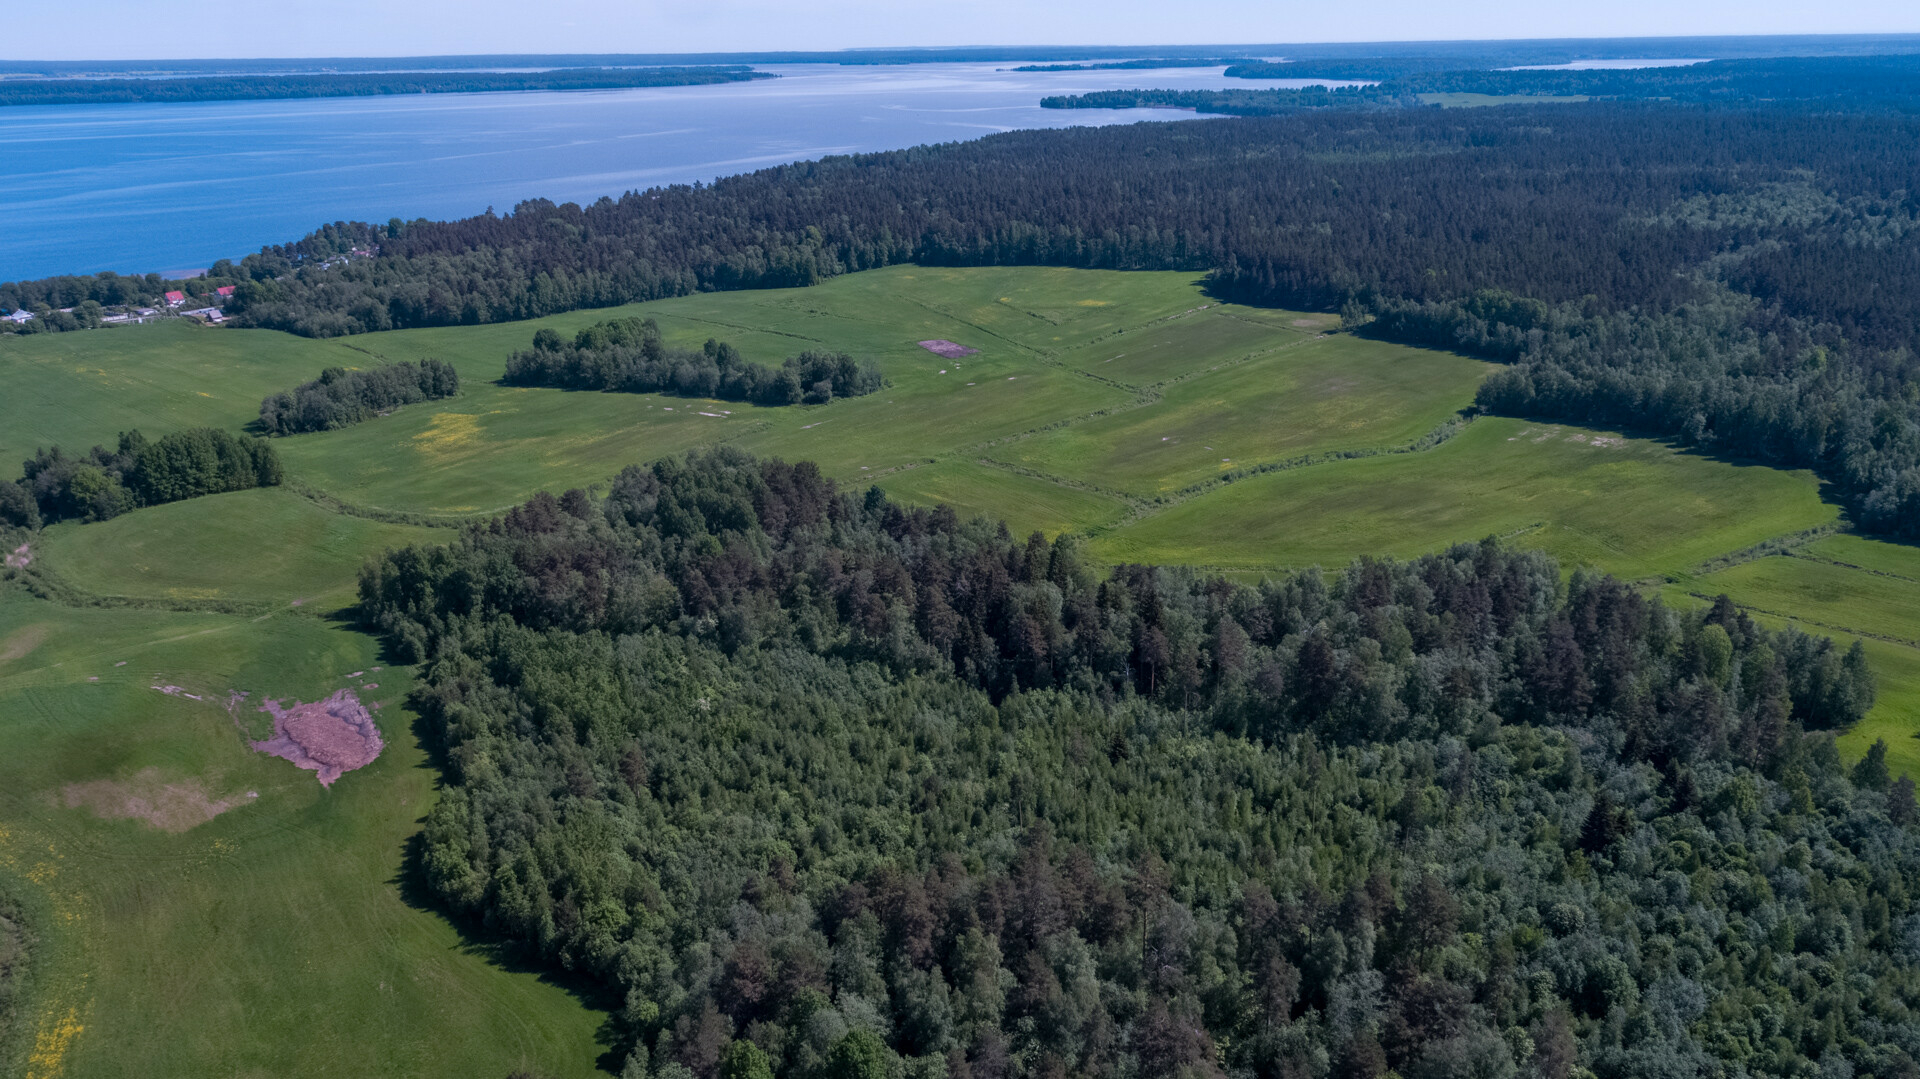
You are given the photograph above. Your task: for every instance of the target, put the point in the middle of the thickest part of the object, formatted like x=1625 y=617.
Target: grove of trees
x=103 y=483
x=824 y=786
x=341 y=397
x=627 y=355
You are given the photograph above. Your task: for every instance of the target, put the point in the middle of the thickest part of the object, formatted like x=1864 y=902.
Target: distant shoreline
x=77 y=91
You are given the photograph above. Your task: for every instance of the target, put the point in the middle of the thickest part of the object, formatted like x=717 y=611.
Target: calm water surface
x=141 y=188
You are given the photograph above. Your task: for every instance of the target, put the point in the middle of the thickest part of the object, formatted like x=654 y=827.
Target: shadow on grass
x=476 y=938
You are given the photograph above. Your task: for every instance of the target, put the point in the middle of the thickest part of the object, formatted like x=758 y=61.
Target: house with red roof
x=175 y=299
x=224 y=292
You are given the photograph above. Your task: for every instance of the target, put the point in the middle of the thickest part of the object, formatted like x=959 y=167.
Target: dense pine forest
x=628 y=356
x=823 y=785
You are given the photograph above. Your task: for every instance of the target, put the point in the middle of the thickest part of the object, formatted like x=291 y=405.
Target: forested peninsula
x=369 y=84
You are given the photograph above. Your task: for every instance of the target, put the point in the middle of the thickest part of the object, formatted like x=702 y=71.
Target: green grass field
x=79 y=389
x=1306 y=396
x=1823 y=594
x=1026 y=504
x=272 y=939
x=494 y=445
x=266 y=545
x=1635 y=507
x=277 y=938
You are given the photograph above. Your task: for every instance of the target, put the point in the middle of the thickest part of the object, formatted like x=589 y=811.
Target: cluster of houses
x=176 y=302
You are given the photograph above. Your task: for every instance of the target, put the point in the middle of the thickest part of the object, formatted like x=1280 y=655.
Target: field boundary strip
x=1804 y=620
x=1778 y=545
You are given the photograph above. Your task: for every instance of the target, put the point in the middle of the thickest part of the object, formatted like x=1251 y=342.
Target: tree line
x=355 y=84
x=103 y=483
x=628 y=356
x=1790 y=226
x=342 y=397
x=824 y=786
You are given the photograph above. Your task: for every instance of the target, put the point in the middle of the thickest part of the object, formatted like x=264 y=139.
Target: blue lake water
x=144 y=188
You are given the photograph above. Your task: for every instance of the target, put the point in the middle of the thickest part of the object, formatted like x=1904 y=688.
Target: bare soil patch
x=947 y=349
x=22 y=641
x=329 y=737
x=148 y=796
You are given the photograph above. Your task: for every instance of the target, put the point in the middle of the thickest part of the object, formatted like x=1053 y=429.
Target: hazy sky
x=136 y=29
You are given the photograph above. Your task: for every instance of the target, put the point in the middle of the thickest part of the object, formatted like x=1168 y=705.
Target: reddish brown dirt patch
x=147 y=796
x=20 y=558
x=330 y=737
x=948 y=349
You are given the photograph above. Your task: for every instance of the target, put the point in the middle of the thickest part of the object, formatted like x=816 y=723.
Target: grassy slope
x=78 y=389
x=1637 y=508
x=1305 y=396
x=1025 y=503
x=265 y=545
x=494 y=445
x=271 y=940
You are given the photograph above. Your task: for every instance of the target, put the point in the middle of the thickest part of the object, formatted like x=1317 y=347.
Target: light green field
x=79 y=389
x=1897 y=560
x=1309 y=396
x=493 y=446
x=266 y=545
x=273 y=939
x=1026 y=504
x=1896 y=708
x=1822 y=594
x=1635 y=507
x=1186 y=343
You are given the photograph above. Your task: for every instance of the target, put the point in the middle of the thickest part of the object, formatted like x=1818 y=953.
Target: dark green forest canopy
x=628 y=356
x=256 y=87
x=1854 y=80
x=844 y=780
